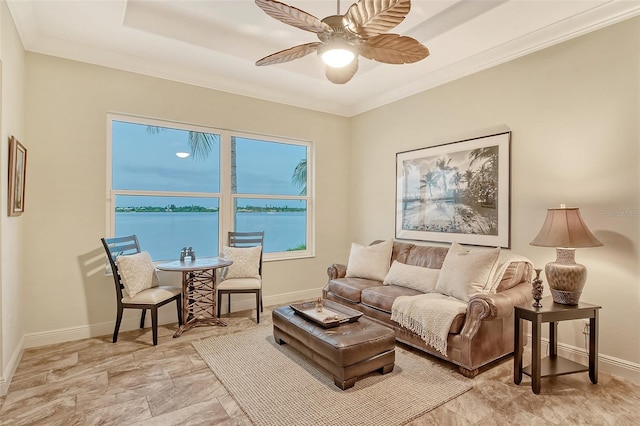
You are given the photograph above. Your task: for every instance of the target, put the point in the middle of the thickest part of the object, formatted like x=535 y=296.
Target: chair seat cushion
x=240 y=284
x=152 y=295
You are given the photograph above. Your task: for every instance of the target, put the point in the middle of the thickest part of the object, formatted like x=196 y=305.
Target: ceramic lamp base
x=566 y=297
x=566 y=278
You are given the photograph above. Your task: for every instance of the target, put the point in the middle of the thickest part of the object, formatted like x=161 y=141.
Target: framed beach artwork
x=456 y=192
x=17 y=175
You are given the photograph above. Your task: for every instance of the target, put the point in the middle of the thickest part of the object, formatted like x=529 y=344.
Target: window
x=176 y=185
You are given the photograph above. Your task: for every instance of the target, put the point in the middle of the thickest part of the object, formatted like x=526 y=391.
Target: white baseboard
x=131 y=318
x=12 y=366
x=607 y=364
x=248 y=302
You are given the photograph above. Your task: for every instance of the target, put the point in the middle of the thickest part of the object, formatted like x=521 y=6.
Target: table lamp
x=565 y=230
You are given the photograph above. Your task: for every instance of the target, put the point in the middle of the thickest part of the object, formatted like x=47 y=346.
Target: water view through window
x=166 y=187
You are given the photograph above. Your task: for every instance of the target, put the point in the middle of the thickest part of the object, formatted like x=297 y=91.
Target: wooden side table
x=553 y=365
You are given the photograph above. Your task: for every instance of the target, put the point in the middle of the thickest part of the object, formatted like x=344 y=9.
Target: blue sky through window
x=147 y=161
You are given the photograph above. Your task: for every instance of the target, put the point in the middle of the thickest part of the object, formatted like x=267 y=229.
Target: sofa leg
x=468 y=373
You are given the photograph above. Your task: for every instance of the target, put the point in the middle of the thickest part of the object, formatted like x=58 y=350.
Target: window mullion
x=226 y=200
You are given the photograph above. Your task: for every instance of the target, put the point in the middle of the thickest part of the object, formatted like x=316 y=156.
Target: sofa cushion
x=350 y=288
x=381 y=298
x=411 y=276
x=428 y=257
x=400 y=250
x=370 y=262
x=466 y=272
x=514 y=274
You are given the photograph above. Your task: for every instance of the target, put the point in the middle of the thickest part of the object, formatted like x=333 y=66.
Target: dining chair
x=150 y=298
x=242 y=284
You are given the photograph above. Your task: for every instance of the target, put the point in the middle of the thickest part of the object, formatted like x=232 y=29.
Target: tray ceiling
x=215 y=44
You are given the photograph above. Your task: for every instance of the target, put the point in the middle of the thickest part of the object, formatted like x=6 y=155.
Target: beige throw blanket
x=428 y=315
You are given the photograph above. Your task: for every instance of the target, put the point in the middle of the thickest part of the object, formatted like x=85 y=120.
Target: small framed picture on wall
x=17 y=176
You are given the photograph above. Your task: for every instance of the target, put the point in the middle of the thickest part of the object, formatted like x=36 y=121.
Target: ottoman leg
x=386 y=369
x=344 y=384
x=277 y=336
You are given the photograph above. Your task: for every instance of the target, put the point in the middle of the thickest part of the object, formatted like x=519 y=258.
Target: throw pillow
x=466 y=272
x=137 y=272
x=371 y=262
x=246 y=262
x=412 y=276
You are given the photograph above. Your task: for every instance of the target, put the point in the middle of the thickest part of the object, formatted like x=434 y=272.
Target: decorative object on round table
x=537 y=289
x=565 y=230
x=187 y=252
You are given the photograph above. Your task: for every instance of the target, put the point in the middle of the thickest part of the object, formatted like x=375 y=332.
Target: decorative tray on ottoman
x=329 y=316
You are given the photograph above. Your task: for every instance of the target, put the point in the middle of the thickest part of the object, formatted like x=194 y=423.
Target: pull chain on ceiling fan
x=359 y=32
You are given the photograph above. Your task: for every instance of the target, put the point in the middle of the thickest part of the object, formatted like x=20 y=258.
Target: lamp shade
x=564 y=227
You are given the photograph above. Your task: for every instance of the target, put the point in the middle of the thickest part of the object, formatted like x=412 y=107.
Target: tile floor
x=96 y=382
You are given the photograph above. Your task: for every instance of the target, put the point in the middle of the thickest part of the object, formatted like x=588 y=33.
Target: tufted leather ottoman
x=347 y=351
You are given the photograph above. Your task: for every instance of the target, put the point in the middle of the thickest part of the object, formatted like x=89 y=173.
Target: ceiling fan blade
x=393 y=49
x=293 y=16
x=341 y=75
x=368 y=18
x=290 y=54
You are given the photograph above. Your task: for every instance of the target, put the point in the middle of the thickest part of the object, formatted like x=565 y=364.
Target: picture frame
x=456 y=192
x=17 y=176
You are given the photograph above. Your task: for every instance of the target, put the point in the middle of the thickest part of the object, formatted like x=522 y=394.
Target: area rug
x=277 y=385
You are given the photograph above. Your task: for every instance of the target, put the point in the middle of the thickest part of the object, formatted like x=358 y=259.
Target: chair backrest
x=248 y=239
x=114 y=248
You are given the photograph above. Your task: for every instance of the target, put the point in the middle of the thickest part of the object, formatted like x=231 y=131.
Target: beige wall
x=573 y=110
x=11 y=228
x=67 y=105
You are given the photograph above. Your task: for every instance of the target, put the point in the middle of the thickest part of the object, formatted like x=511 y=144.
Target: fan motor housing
x=339 y=27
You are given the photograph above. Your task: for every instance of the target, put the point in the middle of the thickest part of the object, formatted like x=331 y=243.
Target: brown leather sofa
x=481 y=335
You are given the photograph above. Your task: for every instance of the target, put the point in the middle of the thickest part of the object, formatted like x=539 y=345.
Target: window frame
x=226 y=200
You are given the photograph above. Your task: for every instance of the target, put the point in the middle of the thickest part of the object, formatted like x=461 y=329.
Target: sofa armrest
x=500 y=305
x=336 y=270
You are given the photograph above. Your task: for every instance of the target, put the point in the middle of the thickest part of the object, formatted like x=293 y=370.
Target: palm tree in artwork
x=488 y=155
x=485 y=180
x=428 y=181
x=443 y=169
x=468 y=176
x=456 y=180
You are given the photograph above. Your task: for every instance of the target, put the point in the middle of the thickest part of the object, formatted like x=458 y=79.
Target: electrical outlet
x=586 y=328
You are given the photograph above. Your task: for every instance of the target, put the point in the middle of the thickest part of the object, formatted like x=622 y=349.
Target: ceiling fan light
x=337 y=57
x=337 y=53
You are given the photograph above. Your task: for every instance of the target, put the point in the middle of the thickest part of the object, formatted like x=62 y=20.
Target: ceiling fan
x=359 y=32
